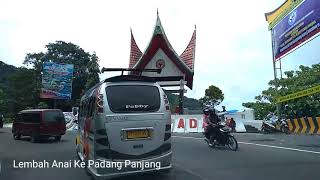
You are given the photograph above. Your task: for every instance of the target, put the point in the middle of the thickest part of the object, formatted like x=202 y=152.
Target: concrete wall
x=246 y=115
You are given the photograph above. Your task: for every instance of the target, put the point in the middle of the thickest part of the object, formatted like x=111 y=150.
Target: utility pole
x=181 y=94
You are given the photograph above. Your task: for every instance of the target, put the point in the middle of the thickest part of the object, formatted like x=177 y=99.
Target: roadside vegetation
x=20 y=86
x=293 y=81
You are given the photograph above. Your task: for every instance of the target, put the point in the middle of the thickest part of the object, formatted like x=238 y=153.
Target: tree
x=24 y=94
x=3 y=101
x=6 y=97
x=43 y=105
x=93 y=69
x=304 y=78
x=212 y=95
x=86 y=67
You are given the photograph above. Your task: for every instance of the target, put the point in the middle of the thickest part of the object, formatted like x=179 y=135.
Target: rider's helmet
x=206 y=110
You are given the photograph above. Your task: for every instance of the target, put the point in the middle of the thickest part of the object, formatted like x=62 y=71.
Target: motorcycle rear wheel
x=263 y=130
x=232 y=143
x=211 y=142
x=285 y=130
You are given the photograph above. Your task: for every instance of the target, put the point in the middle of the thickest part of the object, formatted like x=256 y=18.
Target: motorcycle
x=274 y=124
x=268 y=127
x=223 y=138
x=282 y=126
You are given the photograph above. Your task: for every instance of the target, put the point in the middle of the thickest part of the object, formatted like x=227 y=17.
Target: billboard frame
x=283 y=11
x=69 y=70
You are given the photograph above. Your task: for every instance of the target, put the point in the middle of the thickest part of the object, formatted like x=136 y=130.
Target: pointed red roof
x=159 y=40
x=188 y=54
x=135 y=52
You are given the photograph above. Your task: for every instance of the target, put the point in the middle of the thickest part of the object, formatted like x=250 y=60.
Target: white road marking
x=187 y=137
x=263 y=145
x=279 y=147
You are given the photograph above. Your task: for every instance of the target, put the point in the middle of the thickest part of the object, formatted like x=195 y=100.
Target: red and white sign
x=187 y=123
x=195 y=123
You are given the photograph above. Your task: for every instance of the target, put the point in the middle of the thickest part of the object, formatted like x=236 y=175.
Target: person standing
x=233 y=125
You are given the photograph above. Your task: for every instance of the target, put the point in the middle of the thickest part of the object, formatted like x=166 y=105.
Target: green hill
x=5 y=72
x=189 y=103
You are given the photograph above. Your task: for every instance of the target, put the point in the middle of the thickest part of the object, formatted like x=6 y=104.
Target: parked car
x=39 y=123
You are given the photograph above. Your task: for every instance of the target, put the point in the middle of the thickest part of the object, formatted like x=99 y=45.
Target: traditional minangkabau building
x=160 y=54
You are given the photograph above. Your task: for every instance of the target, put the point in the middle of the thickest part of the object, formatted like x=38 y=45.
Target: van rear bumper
x=58 y=132
x=52 y=134
x=165 y=161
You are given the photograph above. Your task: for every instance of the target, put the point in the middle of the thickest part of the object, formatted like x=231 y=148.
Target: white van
x=124 y=127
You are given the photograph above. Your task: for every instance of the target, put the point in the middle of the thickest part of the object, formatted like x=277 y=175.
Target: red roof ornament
x=188 y=54
x=135 y=52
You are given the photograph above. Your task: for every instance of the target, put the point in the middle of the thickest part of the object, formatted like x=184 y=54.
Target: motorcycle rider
x=272 y=117
x=212 y=120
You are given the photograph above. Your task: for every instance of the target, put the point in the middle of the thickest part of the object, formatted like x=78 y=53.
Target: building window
x=243 y=116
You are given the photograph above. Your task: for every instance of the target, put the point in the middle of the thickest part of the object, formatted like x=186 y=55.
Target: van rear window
x=133 y=98
x=53 y=116
x=31 y=117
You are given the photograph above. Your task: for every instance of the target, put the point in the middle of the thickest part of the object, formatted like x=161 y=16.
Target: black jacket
x=214 y=118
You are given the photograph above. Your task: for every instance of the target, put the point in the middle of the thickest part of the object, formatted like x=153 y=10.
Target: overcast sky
x=233 y=49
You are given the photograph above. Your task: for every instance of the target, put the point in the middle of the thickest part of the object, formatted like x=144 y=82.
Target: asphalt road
x=269 y=157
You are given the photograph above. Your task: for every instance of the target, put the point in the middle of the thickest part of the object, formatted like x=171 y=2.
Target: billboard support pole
x=275 y=74
x=280 y=68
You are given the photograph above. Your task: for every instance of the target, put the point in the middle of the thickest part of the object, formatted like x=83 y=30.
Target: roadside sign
x=56 y=81
x=299 y=94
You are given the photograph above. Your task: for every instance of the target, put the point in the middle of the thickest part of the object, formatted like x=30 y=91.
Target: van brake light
x=100 y=103
x=166 y=102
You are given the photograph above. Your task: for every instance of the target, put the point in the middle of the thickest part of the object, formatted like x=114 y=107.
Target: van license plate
x=136 y=134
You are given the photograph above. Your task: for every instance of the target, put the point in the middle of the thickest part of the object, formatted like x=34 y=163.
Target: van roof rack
x=130 y=69
x=142 y=78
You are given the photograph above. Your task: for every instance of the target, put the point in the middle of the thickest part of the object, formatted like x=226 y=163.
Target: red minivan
x=38 y=123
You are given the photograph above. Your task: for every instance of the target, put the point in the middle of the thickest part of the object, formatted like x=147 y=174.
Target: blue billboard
x=56 y=81
x=299 y=26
